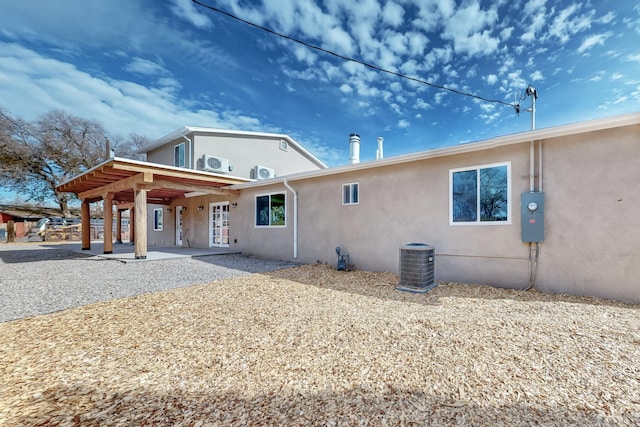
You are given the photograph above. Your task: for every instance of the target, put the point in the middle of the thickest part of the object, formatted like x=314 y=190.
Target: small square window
x=283 y=145
x=350 y=193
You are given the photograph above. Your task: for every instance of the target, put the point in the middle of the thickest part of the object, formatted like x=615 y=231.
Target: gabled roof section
x=535 y=135
x=187 y=130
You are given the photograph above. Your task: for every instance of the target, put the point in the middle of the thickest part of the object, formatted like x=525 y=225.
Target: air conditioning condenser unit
x=214 y=164
x=262 y=172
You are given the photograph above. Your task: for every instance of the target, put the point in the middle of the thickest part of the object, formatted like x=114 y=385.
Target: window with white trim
x=480 y=194
x=178 y=155
x=350 y=193
x=270 y=210
x=157 y=219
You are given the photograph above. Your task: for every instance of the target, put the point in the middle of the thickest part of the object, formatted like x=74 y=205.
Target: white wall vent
x=214 y=164
x=262 y=172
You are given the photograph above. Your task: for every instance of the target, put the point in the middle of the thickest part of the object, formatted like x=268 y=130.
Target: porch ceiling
x=120 y=177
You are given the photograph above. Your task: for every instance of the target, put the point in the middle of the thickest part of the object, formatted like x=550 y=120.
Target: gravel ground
x=314 y=346
x=40 y=278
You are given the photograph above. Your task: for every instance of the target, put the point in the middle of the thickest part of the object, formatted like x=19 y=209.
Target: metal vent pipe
x=354 y=148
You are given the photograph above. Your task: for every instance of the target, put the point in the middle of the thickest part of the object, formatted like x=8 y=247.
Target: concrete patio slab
x=124 y=252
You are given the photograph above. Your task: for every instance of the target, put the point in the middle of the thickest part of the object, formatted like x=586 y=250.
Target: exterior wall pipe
x=295 y=218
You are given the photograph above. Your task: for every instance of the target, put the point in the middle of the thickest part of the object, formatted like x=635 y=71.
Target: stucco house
x=558 y=205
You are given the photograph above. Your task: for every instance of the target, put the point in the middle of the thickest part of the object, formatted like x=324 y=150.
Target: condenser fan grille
x=264 y=173
x=214 y=163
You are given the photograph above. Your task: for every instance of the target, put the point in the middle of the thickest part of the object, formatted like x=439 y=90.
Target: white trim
x=255 y=210
x=477 y=168
x=350 y=184
x=160 y=217
x=210 y=226
x=184 y=155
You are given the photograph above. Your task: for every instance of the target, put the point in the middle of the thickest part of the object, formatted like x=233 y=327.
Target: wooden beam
x=207 y=189
x=178 y=174
x=114 y=187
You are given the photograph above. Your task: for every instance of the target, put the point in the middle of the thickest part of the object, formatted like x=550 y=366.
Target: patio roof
x=163 y=183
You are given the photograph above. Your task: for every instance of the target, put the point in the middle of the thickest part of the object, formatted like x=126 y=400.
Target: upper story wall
x=243 y=153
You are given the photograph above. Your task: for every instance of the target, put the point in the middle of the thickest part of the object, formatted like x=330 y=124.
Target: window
x=283 y=145
x=270 y=210
x=157 y=219
x=480 y=194
x=350 y=194
x=178 y=155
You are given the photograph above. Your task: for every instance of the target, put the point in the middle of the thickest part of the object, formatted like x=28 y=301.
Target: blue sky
x=153 y=66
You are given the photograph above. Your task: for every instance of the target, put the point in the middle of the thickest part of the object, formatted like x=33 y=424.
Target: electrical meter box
x=532 y=217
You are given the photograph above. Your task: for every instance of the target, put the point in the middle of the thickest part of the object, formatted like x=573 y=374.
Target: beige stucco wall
x=243 y=154
x=592 y=200
x=592 y=189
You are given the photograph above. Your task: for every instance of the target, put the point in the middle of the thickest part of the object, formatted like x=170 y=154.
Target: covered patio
x=131 y=185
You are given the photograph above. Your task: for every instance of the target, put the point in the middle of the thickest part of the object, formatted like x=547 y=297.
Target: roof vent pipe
x=354 y=145
x=379 y=154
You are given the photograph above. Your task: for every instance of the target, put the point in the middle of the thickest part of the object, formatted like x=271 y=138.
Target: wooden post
x=140 y=220
x=85 y=218
x=118 y=225
x=108 y=223
x=11 y=231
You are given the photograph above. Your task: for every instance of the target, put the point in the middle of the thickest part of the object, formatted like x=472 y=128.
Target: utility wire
x=346 y=58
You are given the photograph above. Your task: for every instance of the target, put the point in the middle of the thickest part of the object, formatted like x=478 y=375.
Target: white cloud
x=593 y=40
x=634 y=58
x=467 y=28
x=505 y=33
x=145 y=67
x=392 y=14
x=186 y=9
x=538 y=21
x=537 y=75
x=533 y=6
x=345 y=88
x=564 y=25
x=122 y=106
x=492 y=79
x=403 y=124
x=417 y=43
x=616 y=76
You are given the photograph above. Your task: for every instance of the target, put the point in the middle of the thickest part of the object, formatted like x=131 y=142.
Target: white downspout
x=295 y=219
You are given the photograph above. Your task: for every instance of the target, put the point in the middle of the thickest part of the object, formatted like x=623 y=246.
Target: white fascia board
x=518 y=138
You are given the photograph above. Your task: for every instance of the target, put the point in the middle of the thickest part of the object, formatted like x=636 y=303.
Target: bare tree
x=36 y=157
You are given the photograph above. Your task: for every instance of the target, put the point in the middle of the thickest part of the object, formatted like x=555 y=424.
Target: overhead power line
x=346 y=58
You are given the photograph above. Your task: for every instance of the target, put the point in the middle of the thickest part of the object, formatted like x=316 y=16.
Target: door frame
x=179 y=228
x=211 y=225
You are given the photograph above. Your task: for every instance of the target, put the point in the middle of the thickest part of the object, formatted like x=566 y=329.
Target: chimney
x=379 y=154
x=354 y=145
